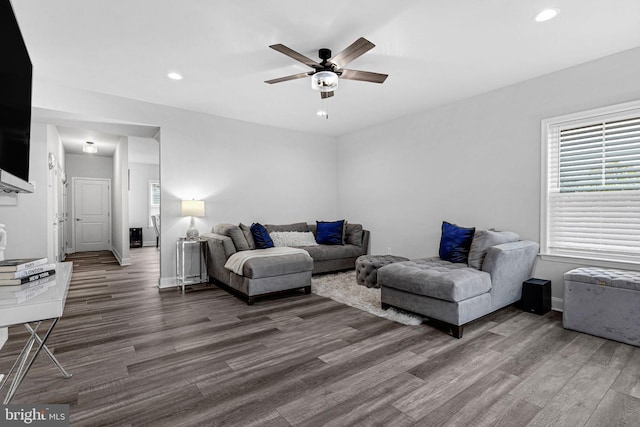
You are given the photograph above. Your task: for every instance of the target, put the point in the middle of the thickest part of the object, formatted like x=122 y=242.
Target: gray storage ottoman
x=603 y=302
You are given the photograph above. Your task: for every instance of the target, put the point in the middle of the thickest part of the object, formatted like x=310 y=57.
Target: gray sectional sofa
x=280 y=272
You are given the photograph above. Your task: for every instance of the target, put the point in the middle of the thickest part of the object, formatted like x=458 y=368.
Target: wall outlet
x=389 y=250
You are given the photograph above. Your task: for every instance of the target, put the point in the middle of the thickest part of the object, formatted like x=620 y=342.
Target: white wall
x=88 y=166
x=244 y=172
x=26 y=223
x=475 y=162
x=120 y=203
x=139 y=216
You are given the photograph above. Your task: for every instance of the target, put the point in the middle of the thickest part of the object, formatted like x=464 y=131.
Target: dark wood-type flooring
x=144 y=357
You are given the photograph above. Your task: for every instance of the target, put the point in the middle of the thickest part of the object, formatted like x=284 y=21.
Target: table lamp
x=192 y=208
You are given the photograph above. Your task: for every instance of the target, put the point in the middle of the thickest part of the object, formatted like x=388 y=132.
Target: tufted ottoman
x=603 y=302
x=367 y=268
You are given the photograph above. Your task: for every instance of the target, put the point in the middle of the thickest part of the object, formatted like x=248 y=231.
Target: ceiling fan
x=325 y=74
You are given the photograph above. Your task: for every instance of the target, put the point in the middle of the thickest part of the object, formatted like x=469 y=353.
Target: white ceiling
x=435 y=52
x=140 y=150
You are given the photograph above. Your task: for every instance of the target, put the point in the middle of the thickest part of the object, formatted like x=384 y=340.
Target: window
x=591 y=184
x=154 y=200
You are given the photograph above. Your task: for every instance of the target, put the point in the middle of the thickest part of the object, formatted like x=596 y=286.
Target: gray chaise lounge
x=262 y=276
x=456 y=293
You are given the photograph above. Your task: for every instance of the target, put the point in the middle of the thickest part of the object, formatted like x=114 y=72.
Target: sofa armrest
x=220 y=248
x=509 y=264
x=365 y=241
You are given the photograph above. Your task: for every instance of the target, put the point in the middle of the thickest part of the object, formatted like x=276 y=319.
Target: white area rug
x=342 y=287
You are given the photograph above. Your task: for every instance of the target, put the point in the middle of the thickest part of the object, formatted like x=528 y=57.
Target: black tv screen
x=15 y=96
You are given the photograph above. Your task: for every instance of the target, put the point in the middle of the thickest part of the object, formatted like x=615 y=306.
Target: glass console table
x=31 y=313
x=191 y=262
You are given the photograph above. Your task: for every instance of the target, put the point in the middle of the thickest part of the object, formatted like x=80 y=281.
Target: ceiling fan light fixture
x=324 y=81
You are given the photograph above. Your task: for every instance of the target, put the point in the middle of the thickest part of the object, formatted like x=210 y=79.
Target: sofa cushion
x=328 y=252
x=353 y=234
x=298 y=226
x=292 y=238
x=261 y=236
x=235 y=233
x=483 y=240
x=278 y=265
x=330 y=232
x=455 y=242
x=246 y=230
x=435 y=278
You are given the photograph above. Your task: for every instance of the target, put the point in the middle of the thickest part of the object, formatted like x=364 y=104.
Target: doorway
x=91 y=206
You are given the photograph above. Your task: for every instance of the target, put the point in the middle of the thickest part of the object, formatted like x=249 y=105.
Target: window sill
x=585 y=260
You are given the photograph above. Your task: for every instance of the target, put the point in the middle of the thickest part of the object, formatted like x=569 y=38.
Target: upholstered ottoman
x=367 y=268
x=603 y=302
x=266 y=271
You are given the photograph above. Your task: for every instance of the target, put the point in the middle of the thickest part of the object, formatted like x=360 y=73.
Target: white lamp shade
x=193 y=208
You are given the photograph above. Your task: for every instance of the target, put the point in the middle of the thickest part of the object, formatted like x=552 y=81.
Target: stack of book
x=24 y=278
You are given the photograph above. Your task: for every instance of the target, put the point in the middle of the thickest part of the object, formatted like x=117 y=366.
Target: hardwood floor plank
x=447 y=381
x=616 y=409
x=575 y=402
x=628 y=382
x=321 y=396
x=534 y=349
x=515 y=324
x=471 y=402
x=371 y=407
x=545 y=382
x=507 y=411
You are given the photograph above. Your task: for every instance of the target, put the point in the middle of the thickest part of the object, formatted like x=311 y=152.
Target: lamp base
x=192 y=231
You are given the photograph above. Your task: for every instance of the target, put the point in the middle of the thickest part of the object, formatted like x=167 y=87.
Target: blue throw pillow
x=330 y=233
x=261 y=236
x=455 y=242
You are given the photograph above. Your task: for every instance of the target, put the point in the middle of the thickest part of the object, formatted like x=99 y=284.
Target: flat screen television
x=15 y=103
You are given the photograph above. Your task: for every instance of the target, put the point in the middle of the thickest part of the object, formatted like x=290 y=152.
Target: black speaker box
x=536 y=296
x=135 y=237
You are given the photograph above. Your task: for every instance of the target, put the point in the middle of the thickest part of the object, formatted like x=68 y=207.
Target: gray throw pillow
x=353 y=234
x=246 y=230
x=233 y=231
x=483 y=240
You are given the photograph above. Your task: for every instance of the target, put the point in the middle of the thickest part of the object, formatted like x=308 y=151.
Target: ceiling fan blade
x=355 y=50
x=324 y=95
x=365 y=76
x=287 y=78
x=295 y=55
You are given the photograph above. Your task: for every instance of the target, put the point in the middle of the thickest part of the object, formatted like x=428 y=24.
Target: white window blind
x=154 y=200
x=593 y=189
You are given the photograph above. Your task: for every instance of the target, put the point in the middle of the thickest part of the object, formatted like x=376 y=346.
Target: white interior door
x=91 y=214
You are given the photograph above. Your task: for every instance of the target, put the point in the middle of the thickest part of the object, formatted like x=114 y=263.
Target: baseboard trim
x=121 y=261
x=557 y=304
x=167 y=282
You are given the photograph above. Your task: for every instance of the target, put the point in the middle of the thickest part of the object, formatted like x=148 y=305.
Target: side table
x=191 y=262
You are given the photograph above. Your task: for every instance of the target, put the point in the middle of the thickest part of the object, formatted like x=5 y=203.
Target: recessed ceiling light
x=174 y=76
x=546 y=15
x=89 y=147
